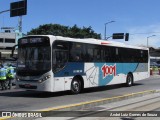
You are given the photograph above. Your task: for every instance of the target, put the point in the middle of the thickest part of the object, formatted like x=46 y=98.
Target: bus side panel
x=141 y=72
x=64 y=77
x=99 y=74
x=140 y=76
x=92 y=75
x=59 y=84
x=114 y=73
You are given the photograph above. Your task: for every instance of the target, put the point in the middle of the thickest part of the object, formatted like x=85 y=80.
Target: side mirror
x=12 y=54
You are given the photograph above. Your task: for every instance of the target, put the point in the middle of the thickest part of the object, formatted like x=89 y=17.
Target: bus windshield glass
x=33 y=58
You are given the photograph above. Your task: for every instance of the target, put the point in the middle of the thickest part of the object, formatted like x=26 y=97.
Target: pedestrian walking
x=10 y=76
x=3 y=73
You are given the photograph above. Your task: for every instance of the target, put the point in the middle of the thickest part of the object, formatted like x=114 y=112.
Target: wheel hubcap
x=75 y=86
x=129 y=80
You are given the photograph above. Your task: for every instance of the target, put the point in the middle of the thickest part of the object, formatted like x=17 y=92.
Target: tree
x=60 y=30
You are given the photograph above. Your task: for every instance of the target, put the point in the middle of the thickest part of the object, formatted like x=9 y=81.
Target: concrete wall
x=5 y=47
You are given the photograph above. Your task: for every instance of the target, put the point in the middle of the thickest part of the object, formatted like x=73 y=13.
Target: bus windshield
x=34 y=58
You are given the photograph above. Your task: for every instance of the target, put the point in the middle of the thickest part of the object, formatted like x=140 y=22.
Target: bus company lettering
x=108 y=70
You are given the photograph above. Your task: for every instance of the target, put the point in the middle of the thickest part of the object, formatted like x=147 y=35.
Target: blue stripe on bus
x=71 y=69
x=106 y=70
x=120 y=68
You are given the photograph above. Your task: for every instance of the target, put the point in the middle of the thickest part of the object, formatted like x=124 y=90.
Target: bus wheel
x=76 y=86
x=129 y=80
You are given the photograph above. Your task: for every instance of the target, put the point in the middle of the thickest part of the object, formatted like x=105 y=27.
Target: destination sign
x=33 y=40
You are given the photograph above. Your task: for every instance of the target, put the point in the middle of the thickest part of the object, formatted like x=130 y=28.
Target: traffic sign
x=18 y=8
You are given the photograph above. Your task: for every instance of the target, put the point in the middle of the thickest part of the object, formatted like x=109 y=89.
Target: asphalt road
x=20 y=100
x=139 y=108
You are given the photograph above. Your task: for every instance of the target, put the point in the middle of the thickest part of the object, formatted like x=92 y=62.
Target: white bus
x=53 y=63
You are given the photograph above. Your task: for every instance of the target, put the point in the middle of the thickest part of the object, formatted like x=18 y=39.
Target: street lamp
x=149 y=37
x=4 y=11
x=105 y=28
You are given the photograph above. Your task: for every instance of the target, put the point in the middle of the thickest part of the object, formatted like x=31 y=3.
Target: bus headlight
x=45 y=78
x=39 y=81
x=17 y=78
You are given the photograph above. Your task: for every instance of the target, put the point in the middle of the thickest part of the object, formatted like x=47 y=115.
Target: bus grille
x=28 y=87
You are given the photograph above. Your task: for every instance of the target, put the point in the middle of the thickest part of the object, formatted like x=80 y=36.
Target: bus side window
x=90 y=55
x=59 y=55
x=97 y=55
x=59 y=60
x=77 y=52
x=106 y=55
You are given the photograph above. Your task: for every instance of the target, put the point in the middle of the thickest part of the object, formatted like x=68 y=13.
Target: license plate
x=27 y=85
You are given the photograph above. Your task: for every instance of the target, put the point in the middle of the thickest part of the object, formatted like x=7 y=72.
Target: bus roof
x=93 y=41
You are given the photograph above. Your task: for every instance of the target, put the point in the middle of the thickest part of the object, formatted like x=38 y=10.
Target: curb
x=90 y=104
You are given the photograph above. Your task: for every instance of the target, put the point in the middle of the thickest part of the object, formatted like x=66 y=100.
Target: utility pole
x=20 y=24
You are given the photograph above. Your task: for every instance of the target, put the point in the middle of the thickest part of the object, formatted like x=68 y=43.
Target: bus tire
x=129 y=80
x=76 y=86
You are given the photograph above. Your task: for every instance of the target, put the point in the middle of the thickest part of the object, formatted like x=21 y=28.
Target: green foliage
x=60 y=30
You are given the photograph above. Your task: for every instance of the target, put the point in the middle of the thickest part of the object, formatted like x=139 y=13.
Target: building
x=7 y=41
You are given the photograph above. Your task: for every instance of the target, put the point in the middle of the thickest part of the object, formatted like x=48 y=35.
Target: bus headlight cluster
x=17 y=78
x=45 y=78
